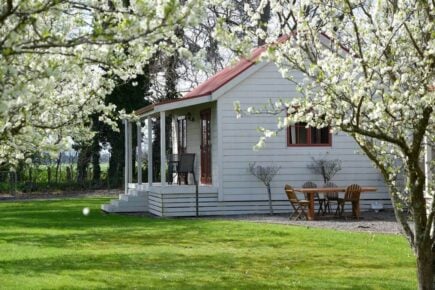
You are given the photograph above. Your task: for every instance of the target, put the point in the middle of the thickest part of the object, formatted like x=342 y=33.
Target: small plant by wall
x=265 y=174
x=325 y=167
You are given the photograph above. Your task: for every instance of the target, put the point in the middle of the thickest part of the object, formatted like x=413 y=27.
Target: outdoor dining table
x=312 y=191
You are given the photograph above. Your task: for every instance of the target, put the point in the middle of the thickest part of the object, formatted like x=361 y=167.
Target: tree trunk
x=116 y=161
x=269 y=193
x=433 y=266
x=423 y=227
x=82 y=164
x=68 y=174
x=264 y=21
x=49 y=174
x=424 y=267
x=59 y=159
x=96 y=169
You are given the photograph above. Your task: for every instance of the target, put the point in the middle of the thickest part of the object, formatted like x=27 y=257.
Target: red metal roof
x=229 y=73
x=221 y=78
x=214 y=82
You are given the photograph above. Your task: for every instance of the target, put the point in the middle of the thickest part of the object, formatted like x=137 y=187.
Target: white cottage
x=204 y=123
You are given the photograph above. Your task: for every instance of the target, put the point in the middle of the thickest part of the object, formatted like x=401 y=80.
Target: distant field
x=51 y=245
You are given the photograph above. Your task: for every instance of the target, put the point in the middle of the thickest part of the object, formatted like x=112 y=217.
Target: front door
x=205 y=146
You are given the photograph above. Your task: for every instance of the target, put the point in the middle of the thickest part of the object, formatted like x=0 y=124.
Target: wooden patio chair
x=331 y=197
x=352 y=195
x=320 y=201
x=299 y=206
x=186 y=166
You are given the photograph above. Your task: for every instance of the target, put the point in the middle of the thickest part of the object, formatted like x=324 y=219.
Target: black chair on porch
x=186 y=166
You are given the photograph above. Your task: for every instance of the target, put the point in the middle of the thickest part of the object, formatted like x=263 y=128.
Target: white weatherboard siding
x=239 y=136
x=194 y=137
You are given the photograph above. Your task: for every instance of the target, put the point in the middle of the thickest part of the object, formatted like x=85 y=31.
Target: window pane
x=320 y=136
x=292 y=135
x=298 y=134
x=301 y=133
x=182 y=134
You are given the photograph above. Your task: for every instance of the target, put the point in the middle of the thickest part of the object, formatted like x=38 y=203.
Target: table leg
x=311 y=206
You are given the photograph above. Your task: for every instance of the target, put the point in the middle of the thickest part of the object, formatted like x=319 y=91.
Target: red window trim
x=329 y=144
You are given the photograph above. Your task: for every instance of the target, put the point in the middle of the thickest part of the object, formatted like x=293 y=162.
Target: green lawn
x=50 y=244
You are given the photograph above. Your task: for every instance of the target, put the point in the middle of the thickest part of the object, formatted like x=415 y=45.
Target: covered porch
x=153 y=183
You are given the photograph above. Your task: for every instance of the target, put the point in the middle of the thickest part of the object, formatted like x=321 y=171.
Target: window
x=299 y=135
x=182 y=134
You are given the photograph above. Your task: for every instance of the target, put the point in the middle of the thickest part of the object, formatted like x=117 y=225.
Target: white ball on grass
x=86 y=211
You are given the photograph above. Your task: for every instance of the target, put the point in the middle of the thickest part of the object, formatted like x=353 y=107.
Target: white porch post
x=427 y=161
x=150 y=151
x=174 y=135
x=139 y=153
x=163 y=148
x=130 y=153
x=126 y=156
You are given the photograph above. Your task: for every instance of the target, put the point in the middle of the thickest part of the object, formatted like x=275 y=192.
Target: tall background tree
x=369 y=68
x=128 y=96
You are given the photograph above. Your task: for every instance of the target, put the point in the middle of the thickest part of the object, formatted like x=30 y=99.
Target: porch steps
x=135 y=201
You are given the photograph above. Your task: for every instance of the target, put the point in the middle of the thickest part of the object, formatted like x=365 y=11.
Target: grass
x=51 y=245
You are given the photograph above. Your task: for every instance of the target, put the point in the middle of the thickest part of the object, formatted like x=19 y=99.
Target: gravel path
x=381 y=222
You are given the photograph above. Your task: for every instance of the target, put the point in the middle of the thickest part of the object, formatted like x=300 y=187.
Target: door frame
x=206 y=147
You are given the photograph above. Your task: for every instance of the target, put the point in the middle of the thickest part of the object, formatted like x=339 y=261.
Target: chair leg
x=335 y=210
x=298 y=213
x=327 y=207
x=295 y=214
x=340 y=209
x=302 y=213
x=323 y=206
x=305 y=213
x=355 y=209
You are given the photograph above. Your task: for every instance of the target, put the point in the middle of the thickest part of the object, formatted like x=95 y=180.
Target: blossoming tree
x=369 y=68
x=58 y=60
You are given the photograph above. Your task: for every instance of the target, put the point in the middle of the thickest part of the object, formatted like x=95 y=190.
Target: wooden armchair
x=331 y=197
x=352 y=195
x=299 y=206
x=320 y=201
